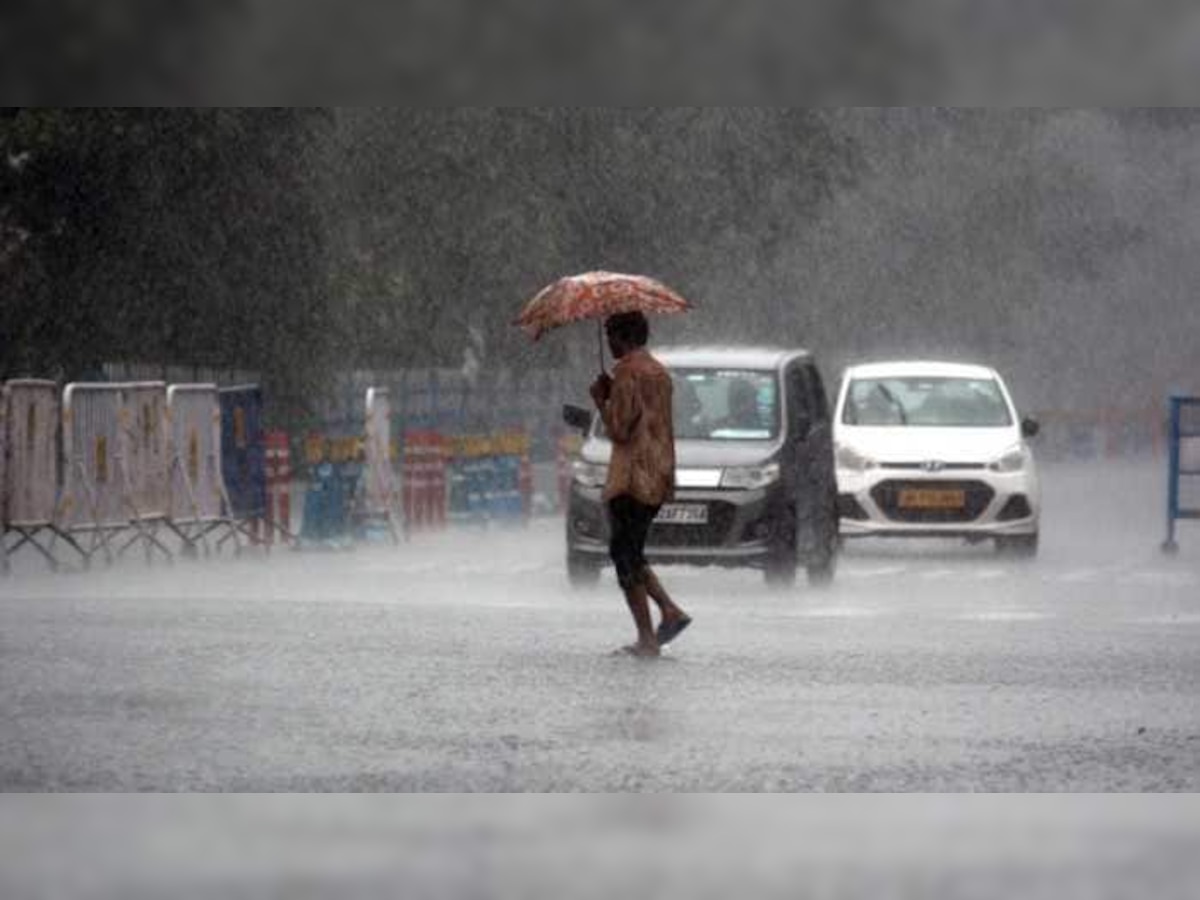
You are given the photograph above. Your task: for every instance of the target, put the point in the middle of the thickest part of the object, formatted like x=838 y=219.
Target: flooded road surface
x=463 y=662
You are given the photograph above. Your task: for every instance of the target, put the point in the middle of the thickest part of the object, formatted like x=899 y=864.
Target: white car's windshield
x=926 y=402
x=723 y=405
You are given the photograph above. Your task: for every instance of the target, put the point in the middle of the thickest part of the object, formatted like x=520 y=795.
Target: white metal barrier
x=381 y=492
x=29 y=470
x=144 y=426
x=91 y=499
x=198 y=500
x=4 y=485
x=144 y=454
x=115 y=464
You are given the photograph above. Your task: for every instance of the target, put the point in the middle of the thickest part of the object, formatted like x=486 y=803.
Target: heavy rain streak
x=855 y=451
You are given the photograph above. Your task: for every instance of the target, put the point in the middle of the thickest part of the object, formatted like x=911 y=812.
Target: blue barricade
x=243 y=460
x=507 y=488
x=335 y=468
x=1183 y=471
x=327 y=504
x=485 y=478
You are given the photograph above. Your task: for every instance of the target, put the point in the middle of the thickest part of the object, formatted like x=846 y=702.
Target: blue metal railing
x=1184 y=463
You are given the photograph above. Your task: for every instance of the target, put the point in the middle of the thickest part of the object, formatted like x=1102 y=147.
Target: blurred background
x=295 y=243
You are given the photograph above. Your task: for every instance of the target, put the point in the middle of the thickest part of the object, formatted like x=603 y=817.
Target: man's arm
x=622 y=411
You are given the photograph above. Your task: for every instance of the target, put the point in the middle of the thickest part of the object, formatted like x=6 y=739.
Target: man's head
x=626 y=332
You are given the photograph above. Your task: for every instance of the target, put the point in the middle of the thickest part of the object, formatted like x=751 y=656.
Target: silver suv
x=755 y=469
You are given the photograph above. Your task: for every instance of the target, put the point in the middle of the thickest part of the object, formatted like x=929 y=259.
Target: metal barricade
x=91 y=500
x=243 y=458
x=1183 y=472
x=278 y=466
x=147 y=463
x=379 y=492
x=29 y=471
x=114 y=458
x=198 y=501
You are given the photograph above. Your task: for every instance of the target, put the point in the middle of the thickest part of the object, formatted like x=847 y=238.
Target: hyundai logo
x=933 y=465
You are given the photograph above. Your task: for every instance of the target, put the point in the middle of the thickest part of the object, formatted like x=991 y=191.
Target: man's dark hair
x=631 y=328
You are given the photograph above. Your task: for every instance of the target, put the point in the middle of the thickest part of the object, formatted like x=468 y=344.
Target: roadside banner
x=424 y=487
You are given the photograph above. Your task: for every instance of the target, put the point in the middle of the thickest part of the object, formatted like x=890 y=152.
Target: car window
x=723 y=405
x=926 y=402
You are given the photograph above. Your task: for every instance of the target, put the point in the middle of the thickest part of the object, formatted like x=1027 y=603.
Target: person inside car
x=743 y=408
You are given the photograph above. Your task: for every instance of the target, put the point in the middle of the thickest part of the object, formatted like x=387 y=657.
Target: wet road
x=462 y=662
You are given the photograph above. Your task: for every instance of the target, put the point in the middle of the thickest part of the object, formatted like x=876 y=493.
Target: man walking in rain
x=635 y=404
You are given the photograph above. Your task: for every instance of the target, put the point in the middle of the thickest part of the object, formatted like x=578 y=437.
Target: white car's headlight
x=592 y=475
x=748 y=478
x=849 y=458
x=1012 y=460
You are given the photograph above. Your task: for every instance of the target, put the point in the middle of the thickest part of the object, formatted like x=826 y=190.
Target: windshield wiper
x=891 y=398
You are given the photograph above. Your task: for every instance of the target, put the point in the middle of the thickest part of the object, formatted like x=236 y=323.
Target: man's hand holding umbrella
x=601 y=389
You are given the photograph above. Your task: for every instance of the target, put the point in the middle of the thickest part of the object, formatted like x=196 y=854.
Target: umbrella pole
x=600 y=335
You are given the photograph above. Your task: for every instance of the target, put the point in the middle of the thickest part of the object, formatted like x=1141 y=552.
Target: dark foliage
x=185 y=236
x=292 y=241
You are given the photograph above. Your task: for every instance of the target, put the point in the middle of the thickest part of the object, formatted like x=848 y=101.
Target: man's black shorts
x=629 y=522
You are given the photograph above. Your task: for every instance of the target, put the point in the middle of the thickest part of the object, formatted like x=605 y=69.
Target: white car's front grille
x=971 y=499
x=934 y=466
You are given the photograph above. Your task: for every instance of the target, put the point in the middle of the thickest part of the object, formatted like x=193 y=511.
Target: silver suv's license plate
x=683 y=514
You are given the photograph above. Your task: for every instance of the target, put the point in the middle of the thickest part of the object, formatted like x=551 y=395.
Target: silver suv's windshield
x=723 y=405
x=926 y=402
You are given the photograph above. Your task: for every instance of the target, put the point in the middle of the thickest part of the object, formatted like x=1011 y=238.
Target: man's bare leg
x=635 y=597
x=670 y=612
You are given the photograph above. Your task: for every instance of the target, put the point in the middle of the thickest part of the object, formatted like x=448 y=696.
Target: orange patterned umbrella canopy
x=597 y=295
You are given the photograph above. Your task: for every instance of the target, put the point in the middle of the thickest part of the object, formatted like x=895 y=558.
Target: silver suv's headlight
x=1011 y=460
x=747 y=478
x=849 y=458
x=591 y=475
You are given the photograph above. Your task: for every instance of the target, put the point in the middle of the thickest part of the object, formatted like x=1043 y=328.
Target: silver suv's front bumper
x=739 y=531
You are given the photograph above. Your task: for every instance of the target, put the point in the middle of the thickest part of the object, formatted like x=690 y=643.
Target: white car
x=934 y=449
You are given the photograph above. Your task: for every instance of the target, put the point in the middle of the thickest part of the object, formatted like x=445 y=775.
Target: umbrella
x=597 y=295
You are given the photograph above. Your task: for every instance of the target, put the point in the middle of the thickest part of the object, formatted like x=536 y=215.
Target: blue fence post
x=1170 y=545
x=1180 y=466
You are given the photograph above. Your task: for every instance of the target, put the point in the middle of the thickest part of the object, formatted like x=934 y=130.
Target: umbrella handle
x=600 y=335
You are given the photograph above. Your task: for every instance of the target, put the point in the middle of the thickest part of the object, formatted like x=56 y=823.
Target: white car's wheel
x=1021 y=546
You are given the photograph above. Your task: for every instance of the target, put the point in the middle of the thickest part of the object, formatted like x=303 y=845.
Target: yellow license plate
x=932 y=499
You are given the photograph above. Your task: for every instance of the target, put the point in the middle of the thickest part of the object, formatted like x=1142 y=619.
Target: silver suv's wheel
x=582 y=572
x=780 y=570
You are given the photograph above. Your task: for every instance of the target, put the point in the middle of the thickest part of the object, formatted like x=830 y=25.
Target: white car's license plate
x=683 y=514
